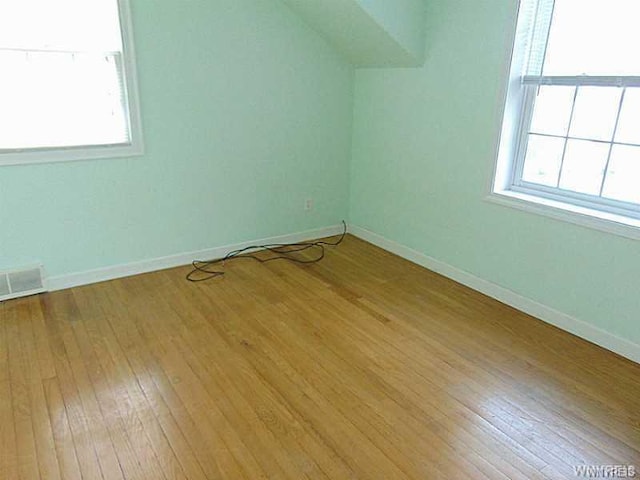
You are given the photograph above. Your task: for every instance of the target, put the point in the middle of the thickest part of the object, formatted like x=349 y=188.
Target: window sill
x=586 y=217
x=70 y=154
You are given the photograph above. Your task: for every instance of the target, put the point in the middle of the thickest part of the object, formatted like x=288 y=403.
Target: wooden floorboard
x=363 y=366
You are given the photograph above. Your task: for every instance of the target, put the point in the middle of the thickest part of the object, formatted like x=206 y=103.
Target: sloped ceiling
x=371 y=33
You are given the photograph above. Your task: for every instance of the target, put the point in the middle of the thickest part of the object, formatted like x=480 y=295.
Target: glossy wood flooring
x=362 y=366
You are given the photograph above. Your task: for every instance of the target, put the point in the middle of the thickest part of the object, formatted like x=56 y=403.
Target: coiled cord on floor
x=202 y=269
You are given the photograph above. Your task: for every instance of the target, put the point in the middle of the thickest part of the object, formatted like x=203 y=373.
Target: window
x=68 y=86
x=571 y=129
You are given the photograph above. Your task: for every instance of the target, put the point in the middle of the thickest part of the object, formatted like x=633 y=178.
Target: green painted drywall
x=246 y=112
x=423 y=149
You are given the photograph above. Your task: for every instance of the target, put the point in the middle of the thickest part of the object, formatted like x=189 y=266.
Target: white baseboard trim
x=62 y=282
x=547 y=314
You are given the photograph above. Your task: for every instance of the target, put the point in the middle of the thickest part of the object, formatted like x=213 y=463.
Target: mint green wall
x=246 y=113
x=424 y=144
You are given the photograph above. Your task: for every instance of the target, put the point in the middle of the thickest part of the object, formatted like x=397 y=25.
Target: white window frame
x=134 y=147
x=507 y=186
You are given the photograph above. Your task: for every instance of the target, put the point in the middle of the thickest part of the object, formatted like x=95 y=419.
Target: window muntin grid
x=600 y=171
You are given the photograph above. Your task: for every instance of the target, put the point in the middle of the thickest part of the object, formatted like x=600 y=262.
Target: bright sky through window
x=581 y=117
x=594 y=37
x=70 y=25
x=62 y=82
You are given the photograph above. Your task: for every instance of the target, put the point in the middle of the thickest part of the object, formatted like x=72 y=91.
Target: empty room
x=319 y=239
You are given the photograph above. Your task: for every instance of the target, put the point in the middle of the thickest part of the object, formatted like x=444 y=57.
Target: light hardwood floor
x=362 y=366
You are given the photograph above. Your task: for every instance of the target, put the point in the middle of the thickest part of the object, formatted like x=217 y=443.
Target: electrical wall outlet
x=308 y=204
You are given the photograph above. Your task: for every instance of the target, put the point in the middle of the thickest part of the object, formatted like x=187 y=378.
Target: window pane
x=594 y=37
x=583 y=166
x=77 y=25
x=595 y=111
x=542 y=162
x=55 y=100
x=623 y=176
x=552 y=110
x=629 y=123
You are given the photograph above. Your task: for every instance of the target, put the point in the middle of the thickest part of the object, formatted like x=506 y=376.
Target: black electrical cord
x=281 y=251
